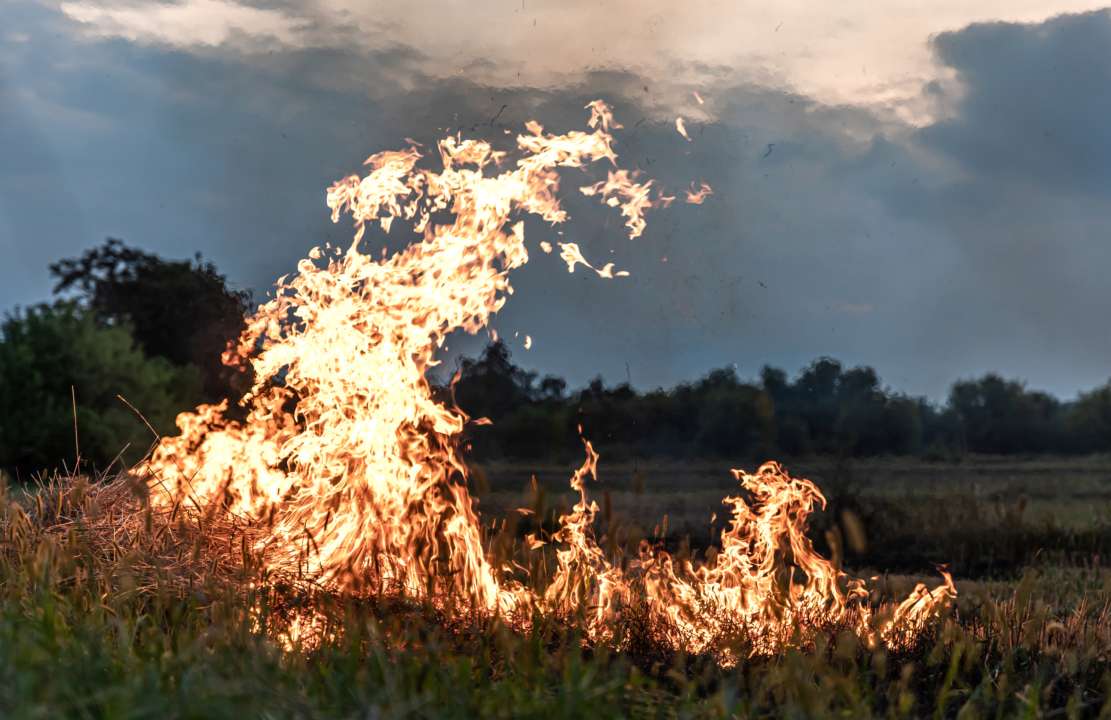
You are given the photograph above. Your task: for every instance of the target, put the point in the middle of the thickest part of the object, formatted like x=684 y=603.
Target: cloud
x=1025 y=163
x=189 y=23
x=845 y=52
x=1030 y=103
x=841 y=229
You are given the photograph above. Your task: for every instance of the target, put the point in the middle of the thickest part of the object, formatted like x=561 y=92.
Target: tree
x=52 y=355
x=735 y=419
x=182 y=311
x=492 y=386
x=1002 y=416
x=1088 y=421
x=827 y=409
x=816 y=391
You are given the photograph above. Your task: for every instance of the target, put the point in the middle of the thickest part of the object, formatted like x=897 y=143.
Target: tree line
x=132 y=339
x=827 y=409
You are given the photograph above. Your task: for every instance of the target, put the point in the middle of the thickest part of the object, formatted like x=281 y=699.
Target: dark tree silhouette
x=1002 y=416
x=179 y=310
x=492 y=385
x=184 y=313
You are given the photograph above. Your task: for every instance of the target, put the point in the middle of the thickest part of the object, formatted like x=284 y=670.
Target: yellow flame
x=353 y=466
x=681 y=127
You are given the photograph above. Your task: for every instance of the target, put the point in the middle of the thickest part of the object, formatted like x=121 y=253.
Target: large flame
x=352 y=464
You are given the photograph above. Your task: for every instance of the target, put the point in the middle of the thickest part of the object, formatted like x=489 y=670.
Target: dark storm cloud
x=1034 y=103
x=1024 y=201
x=930 y=254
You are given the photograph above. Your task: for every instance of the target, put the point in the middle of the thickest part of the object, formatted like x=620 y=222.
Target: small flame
x=699 y=195
x=681 y=127
x=570 y=254
x=620 y=190
x=352 y=467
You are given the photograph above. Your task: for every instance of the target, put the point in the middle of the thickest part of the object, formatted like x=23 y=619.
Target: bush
x=50 y=355
x=179 y=310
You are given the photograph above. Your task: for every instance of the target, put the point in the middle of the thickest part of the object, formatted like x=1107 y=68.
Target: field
x=89 y=629
x=985 y=518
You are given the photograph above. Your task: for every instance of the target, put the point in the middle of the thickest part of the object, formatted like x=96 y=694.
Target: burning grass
x=347 y=467
x=108 y=609
x=133 y=548
x=330 y=523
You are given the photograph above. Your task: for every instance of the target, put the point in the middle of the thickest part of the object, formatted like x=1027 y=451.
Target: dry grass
x=108 y=609
x=985 y=517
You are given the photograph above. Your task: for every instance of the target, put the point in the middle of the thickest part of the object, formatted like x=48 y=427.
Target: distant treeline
x=133 y=333
x=826 y=410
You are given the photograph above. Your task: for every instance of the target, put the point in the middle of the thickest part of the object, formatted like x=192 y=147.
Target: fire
x=697 y=196
x=352 y=465
x=681 y=127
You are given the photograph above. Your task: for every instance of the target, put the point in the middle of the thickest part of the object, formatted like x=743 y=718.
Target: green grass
x=108 y=625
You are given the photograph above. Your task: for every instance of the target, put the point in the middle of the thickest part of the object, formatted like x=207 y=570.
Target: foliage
x=1087 y=426
x=1001 y=416
x=826 y=410
x=178 y=310
x=185 y=313
x=54 y=355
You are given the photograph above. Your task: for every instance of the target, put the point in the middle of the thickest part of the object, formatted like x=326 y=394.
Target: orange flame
x=354 y=467
x=699 y=195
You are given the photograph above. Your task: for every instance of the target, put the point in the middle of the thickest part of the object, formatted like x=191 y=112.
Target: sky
x=923 y=188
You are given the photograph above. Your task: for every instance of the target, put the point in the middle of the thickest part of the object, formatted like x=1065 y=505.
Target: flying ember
x=352 y=462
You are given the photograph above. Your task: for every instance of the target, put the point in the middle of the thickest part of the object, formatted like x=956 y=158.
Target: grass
x=984 y=517
x=110 y=625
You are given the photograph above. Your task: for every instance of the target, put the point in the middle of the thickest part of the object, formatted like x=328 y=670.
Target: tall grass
x=109 y=611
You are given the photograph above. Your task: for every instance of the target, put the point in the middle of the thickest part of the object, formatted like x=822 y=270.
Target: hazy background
x=921 y=190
